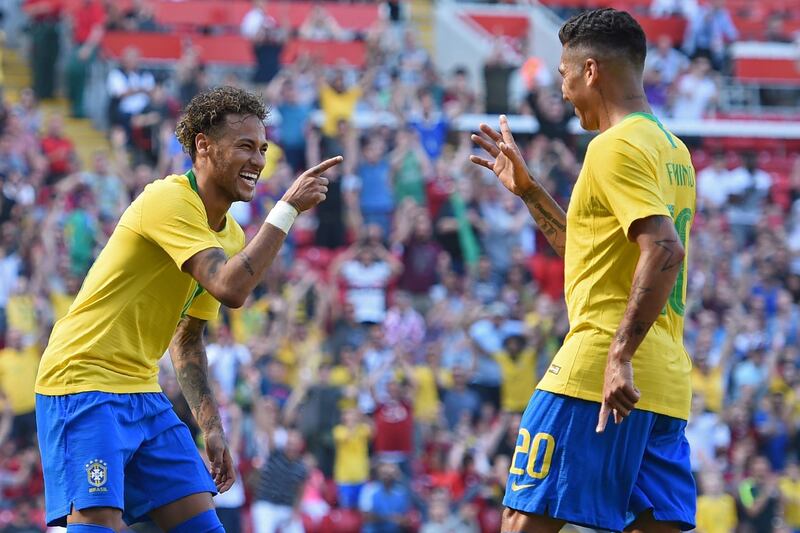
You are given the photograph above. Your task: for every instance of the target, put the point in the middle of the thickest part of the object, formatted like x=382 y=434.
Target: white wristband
x=282 y=216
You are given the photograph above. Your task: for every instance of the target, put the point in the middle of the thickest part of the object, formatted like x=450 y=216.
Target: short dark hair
x=606 y=31
x=206 y=113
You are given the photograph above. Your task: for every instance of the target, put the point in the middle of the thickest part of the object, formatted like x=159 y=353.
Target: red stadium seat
x=151 y=46
x=342 y=521
x=328 y=52
x=224 y=49
x=509 y=25
x=674 y=27
x=760 y=69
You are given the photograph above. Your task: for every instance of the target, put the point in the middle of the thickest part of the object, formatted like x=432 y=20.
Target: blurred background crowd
x=375 y=379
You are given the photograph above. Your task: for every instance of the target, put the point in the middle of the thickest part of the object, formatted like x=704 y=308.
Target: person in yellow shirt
x=789 y=486
x=19 y=362
x=351 y=469
x=716 y=510
x=624 y=240
x=174 y=257
x=338 y=102
x=517 y=364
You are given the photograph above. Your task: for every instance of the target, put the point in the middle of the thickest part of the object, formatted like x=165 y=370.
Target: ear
x=202 y=144
x=591 y=74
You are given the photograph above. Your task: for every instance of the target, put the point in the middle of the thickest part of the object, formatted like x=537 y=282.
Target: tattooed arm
x=549 y=216
x=191 y=368
x=232 y=280
x=660 y=259
x=509 y=166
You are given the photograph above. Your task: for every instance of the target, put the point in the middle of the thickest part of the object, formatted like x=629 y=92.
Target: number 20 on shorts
x=532 y=448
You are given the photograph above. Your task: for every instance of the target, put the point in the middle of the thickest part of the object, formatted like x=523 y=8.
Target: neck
x=214 y=199
x=621 y=100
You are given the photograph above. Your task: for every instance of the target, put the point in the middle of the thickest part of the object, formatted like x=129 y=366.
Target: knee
x=97 y=516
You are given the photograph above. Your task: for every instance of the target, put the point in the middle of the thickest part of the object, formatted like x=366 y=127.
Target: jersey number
x=675 y=301
x=532 y=447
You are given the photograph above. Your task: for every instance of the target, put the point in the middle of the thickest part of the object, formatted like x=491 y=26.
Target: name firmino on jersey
x=681 y=175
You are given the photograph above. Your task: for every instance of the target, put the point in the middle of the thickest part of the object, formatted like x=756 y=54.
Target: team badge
x=97 y=475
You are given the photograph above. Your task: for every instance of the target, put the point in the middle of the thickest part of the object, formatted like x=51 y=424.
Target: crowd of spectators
x=377 y=374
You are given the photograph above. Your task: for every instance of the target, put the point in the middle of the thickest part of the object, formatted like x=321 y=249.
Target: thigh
x=166 y=468
x=179 y=511
x=665 y=489
x=84 y=447
x=520 y=522
x=563 y=469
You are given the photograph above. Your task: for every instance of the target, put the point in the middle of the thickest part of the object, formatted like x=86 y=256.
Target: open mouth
x=250 y=177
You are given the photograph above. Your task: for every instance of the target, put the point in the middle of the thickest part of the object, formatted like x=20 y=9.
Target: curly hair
x=206 y=113
x=606 y=31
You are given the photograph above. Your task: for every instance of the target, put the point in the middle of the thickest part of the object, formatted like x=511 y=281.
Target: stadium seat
x=761 y=69
x=342 y=521
x=151 y=46
x=328 y=52
x=674 y=27
x=504 y=24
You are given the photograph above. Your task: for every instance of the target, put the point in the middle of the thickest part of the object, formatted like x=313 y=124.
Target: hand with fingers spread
x=311 y=187
x=219 y=457
x=619 y=393
x=508 y=163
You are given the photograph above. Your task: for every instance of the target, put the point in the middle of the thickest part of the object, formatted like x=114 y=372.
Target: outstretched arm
x=509 y=166
x=191 y=368
x=232 y=280
x=660 y=259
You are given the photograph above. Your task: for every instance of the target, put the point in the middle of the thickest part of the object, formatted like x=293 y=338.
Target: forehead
x=245 y=127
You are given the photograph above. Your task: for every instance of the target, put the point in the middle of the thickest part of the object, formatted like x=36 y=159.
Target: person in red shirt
x=394 y=425
x=88 y=21
x=59 y=151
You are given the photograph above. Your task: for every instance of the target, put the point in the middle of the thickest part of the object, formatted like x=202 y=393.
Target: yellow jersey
x=633 y=170
x=125 y=314
x=17 y=377
x=790 y=490
x=337 y=106
x=352 y=454
x=716 y=514
x=519 y=379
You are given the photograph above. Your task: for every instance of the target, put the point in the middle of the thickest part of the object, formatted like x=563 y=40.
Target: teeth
x=249 y=176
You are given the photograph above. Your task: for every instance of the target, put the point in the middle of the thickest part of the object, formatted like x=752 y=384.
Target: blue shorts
x=562 y=469
x=128 y=451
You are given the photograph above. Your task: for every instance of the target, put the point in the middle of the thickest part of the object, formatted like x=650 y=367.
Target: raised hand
x=311 y=187
x=507 y=164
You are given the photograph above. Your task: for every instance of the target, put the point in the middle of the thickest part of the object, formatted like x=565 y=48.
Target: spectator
x=279 y=488
x=759 y=497
x=394 y=423
x=748 y=188
x=59 y=150
x=386 y=504
x=789 y=486
x=708 y=33
x=420 y=254
x=668 y=61
x=268 y=39
x=518 y=373
x=321 y=26
x=374 y=185
x=713 y=183
x=352 y=457
x=696 y=91
x=441 y=519
x=430 y=124
x=405 y=326
x=129 y=88
x=410 y=165
x=716 y=510
x=226 y=358
x=19 y=361
x=366 y=268
x=87 y=32
x=22 y=521
x=459 y=401
x=46 y=20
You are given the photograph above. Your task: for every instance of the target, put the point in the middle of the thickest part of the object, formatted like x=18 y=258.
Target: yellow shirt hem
x=642 y=405
x=113 y=389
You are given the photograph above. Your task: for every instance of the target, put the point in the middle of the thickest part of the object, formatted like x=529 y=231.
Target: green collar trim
x=193 y=181
x=652 y=118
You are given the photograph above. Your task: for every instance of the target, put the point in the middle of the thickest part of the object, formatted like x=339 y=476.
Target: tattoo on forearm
x=632 y=331
x=667 y=245
x=191 y=369
x=554 y=230
x=246 y=263
x=639 y=293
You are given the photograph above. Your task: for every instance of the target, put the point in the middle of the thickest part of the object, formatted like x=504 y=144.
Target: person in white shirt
x=697 y=91
x=225 y=358
x=129 y=88
x=713 y=184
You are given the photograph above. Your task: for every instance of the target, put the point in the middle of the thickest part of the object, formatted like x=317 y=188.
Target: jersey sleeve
x=204 y=307
x=627 y=182
x=176 y=221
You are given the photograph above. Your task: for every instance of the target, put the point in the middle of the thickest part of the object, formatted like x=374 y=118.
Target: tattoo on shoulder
x=246 y=262
x=215 y=258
